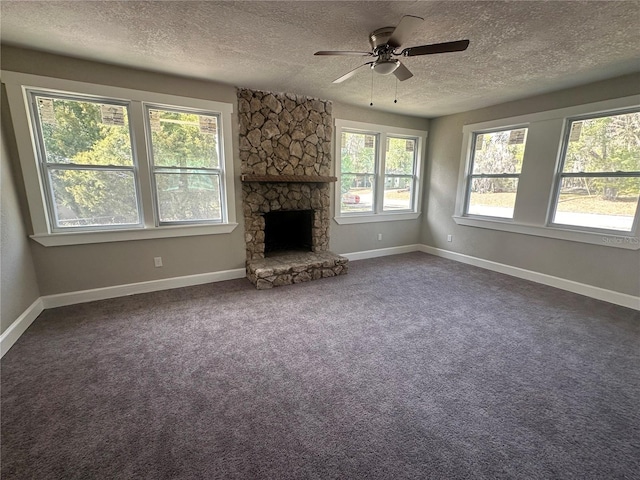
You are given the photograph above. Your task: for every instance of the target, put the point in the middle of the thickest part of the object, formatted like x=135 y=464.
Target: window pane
x=499 y=152
x=181 y=139
x=357 y=193
x=493 y=197
x=607 y=203
x=398 y=193
x=400 y=157
x=606 y=144
x=358 y=152
x=84 y=132
x=188 y=197
x=94 y=197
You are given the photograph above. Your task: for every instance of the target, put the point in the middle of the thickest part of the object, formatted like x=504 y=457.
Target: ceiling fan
x=385 y=43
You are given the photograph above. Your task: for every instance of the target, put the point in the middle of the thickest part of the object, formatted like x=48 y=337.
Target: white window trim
x=560 y=175
x=540 y=226
x=18 y=83
x=383 y=131
x=153 y=167
x=469 y=168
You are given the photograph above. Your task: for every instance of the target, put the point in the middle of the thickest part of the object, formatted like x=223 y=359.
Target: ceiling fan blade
x=347 y=76
x=405 y=28
x=457 y=46
x=326 y=52
x=402 y=73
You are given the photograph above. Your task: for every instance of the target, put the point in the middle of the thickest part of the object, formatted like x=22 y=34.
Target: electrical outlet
x=449 y=238
x=379 y=236
x=157 y=261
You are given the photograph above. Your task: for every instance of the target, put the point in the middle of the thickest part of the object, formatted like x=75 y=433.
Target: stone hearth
x=285 y=153
x=295 y=267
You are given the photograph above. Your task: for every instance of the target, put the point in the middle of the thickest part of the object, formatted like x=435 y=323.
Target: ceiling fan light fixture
x=385 y=67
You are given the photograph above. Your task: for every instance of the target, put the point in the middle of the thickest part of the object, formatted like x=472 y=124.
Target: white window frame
x=154 y=168
x=470 y=175
x=560 y=174
x=536 y=188
x=381 y=132
x=45 y=166
x=17 y=85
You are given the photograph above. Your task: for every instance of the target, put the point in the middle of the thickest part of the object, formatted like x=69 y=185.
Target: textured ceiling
x=518 y=48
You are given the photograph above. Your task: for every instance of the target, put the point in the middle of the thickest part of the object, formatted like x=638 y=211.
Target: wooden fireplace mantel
x=288 y=178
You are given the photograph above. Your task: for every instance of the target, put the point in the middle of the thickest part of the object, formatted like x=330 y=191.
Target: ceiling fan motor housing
x=378 y=40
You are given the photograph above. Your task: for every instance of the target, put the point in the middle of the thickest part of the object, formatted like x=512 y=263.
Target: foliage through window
x=599 y=179
x=87 y=162
x=496 y=163
x=358 y=172
x=186 y=165
x=400 y=164
x=375 y=179
x=90 y=171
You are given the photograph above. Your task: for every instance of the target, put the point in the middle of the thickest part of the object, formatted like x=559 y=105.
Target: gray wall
x=72 y=268
x=606 y=267
x=18 y=283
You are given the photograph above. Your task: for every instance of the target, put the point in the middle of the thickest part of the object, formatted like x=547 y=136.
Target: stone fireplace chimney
x=285 y=153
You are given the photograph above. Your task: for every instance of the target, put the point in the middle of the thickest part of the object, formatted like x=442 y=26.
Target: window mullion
x=143 y=164
x=193 y=170
x=600 y=174
x=79 y=166
x=381 y=157
x=495 y=175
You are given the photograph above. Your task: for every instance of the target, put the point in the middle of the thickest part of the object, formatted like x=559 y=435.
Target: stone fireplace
x=285 y=153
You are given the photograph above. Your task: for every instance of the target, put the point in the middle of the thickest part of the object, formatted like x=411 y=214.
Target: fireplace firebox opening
x=286 y=230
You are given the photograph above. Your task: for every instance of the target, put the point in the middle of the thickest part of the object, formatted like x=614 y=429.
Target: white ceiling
x=518 y=48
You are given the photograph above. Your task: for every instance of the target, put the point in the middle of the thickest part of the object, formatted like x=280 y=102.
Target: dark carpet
x=409 y=367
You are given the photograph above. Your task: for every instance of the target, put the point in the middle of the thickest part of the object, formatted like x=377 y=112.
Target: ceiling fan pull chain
x=395 y=100
x=371 y=104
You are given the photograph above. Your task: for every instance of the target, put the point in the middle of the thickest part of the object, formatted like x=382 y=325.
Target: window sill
x=81 y=238
x=621 y=240
x=375 y=217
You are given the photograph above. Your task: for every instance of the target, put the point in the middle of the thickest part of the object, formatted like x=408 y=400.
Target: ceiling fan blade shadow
x=457 y=46
x=402 y=73
x=403 y=31
x=350 y=74
x=328 y=52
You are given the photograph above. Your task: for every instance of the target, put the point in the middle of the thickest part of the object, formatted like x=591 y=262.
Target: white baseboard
x=598 y=293
x=382 y=252
x=19 y=326
x=82 y=296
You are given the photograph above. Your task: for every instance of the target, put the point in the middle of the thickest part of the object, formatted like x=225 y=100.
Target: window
x=599 y=179
x=399 y=174
x=496 y=163
x=105 y=164
x=186 y=165
x=376 y=183
x=87 y=162
x=358 y=173
x=571 y=174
